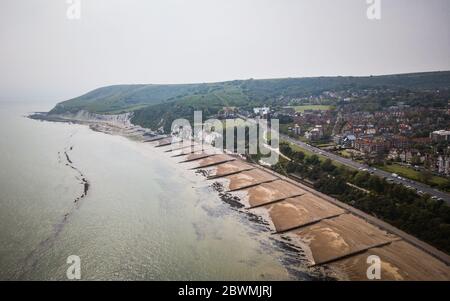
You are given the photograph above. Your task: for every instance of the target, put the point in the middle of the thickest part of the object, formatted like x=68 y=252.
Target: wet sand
x=165 y=142
x=229 y=168
x=206 y=159
x=190 y=150
x=272 y=191
x=248 y=178
x=341 y=236
x=195 y=156
x=331 y=235
x=399 y=261
x=300 y=211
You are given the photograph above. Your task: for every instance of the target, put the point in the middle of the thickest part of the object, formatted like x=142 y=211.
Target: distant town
x=409 y=139
x=378 y=144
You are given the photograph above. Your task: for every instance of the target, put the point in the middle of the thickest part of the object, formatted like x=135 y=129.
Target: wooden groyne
x=337 y=235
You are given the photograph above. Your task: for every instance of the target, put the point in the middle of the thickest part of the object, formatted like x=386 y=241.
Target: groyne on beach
x=328 y=232
x=335 y=234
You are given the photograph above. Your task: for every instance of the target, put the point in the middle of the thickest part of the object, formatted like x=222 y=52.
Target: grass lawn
x=125 y=110
x=313 y=107
x=297 y=148
x=345 y=154
x=324 y=145
x=410 y=173
x=308 y=153
x=284 y=127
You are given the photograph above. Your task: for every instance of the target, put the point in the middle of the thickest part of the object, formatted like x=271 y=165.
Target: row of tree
x=421 y=216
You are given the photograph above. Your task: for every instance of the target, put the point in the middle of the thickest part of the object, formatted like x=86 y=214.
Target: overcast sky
x=46 y=56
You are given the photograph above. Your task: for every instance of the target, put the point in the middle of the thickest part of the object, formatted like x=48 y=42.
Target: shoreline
x=319 y=227
x=339 y=236
x=292 y=258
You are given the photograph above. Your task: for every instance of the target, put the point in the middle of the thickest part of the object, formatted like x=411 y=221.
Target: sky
x=45 y=55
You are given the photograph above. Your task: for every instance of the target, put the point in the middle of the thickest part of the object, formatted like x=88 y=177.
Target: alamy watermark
x=73 y=11
x=74 y=270
x=374 y=270
x=374 y=9
x=241 y=136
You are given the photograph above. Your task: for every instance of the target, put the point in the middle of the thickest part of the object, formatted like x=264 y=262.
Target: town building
x=443 y=165
x=263 y=112
x=372 y=145
x=315 y=134
x=297 y=130
x=441 y=135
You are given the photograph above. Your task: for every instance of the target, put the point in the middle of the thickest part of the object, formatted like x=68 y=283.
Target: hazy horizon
x=46 y=56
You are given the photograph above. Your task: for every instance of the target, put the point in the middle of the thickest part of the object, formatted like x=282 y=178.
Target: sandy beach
x=334 y=236
x=331 y=234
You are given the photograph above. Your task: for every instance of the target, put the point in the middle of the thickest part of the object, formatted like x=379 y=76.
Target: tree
x=425 y=176
x=285 y=149
x=376 y=184
x=298 y=156
x=361 y=178
x=313 y=160
x=328 y=166
x=291 y=167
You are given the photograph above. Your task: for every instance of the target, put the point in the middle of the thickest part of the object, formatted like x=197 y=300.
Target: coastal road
x=419 y=187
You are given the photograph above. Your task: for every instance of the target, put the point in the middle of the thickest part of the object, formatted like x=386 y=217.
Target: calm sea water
x=144 y=218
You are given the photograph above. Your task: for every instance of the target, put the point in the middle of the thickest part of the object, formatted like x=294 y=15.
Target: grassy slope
x=158 y=105
x=313 y=107
x=125 y=97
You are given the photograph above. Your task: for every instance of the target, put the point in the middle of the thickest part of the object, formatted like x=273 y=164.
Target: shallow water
x=145 y=217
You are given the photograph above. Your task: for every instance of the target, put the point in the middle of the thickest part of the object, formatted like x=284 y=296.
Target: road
x=419 y=187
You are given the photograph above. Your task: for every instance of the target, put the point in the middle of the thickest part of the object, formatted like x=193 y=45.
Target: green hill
x=158 y=105
x=123 y=98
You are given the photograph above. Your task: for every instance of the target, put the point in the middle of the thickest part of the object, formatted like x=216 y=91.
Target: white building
x=297 y=130
x=443 y=165
x=441 y=135
x=264 y=111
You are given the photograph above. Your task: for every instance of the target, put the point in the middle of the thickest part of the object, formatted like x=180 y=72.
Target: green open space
x=412 y=174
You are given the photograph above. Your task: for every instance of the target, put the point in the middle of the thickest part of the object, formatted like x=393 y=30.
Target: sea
x=124 y=209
